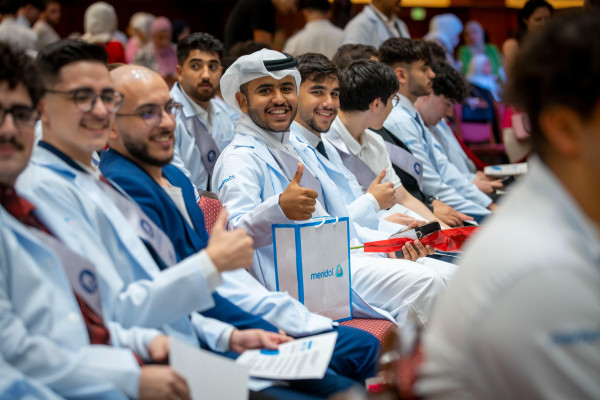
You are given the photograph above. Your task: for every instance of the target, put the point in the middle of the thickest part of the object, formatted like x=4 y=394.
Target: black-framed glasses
x=395 y=100
x=152 y=114
x=85 y=98
x=23 y=116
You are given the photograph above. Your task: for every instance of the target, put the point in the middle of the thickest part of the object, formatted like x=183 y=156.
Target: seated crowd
x=110 y=149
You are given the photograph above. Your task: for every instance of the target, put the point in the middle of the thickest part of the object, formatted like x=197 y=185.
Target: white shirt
x=521 y=318
x=369 y=28
x=371 y=150
x=317 y=37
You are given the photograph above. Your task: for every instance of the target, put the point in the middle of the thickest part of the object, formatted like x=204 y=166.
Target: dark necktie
x=321 y=149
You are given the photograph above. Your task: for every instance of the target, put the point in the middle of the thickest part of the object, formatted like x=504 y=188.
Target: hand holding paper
x=243 y=340
x=297 y=202
x=162 y=382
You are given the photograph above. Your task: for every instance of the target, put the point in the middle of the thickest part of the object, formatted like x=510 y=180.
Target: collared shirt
x=440 y=177
x=390 y=23
x=371 y=149
x=310 y=39
x=205 y=115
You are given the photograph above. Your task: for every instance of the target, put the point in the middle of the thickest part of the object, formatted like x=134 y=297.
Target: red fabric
x=380 y=328
x=445 y=240
x=211 y=209
x=480 y=165
x=116 y=52
x=22 y=210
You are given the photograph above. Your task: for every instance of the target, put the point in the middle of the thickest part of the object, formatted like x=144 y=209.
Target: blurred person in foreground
x=524 y=323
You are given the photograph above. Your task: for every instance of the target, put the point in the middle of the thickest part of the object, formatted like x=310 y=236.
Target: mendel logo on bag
x=339 y=272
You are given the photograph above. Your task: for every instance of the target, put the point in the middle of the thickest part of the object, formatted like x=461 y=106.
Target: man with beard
x=410 y=61
x=203 y=128
x=138 y=161
x=45 y=26
x=261 y=180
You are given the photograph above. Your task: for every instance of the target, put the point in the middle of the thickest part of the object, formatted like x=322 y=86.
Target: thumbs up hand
x=383 y=192
x=229 y=250
x=296 y=202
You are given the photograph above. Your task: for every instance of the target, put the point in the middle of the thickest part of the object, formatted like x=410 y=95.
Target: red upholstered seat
x=380 y=328
x=211 y=209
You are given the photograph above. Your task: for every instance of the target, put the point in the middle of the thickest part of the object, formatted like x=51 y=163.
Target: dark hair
x=558 y=66
x=39 y=4
x=364 y=81
x=242 y=49
x=52 y=58
x=316 y=67
x=178 y=26
x=448 y=82
x=404 y=51
x=320 y=5
x=198 y=41
x=529 y=8
x=348 y=53
x=9 y=7
x=437 y=52
x=16 y=67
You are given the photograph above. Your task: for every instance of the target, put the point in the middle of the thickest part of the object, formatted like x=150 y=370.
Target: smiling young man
x=261 y=178
x=138 y=161
x=52 y=325
x=449 y=88
x=410 y=60
x=203 y=128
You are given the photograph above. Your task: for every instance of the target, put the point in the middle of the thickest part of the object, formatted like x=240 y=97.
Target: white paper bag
x=312 y=264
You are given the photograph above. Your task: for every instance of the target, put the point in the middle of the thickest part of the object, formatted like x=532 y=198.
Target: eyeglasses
x=152 y=114
x=395 y=100
x=23 y=116
x=85 y=98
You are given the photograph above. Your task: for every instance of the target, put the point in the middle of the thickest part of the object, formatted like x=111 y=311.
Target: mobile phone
x=417 y=233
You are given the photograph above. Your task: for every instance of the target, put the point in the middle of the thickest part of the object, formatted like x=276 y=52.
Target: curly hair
x=448 y=82
x=16 y=67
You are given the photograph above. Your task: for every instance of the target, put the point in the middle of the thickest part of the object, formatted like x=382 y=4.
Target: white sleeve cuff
x=374 y=202
x=210 y=272
x=224 y=339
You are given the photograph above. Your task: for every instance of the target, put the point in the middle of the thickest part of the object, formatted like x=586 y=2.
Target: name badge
x=80 y=271
x=406 y=162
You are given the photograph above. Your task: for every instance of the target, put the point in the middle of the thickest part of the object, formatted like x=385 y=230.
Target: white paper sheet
x=305 y=358
x=208 y=376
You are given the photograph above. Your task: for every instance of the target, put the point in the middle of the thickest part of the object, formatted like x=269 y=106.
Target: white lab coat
x=440 y=177
x=521 y=318
x=367 y=28
x=43 y=334
x=448 y=144
x=186 y=155
x=135 y=291
x=15 y=385
x=249 y=181
x=142 y=294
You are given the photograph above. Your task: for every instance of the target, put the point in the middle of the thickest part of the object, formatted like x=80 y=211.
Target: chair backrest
x=211 y=209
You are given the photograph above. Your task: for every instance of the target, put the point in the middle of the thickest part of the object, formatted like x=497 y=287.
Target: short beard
x=140 y=152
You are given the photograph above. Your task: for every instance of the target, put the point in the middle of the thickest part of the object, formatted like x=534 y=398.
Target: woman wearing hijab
x=139 y=33
x=445 y=29
x=100 y=24
x=159 y=54
x=475 y=44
